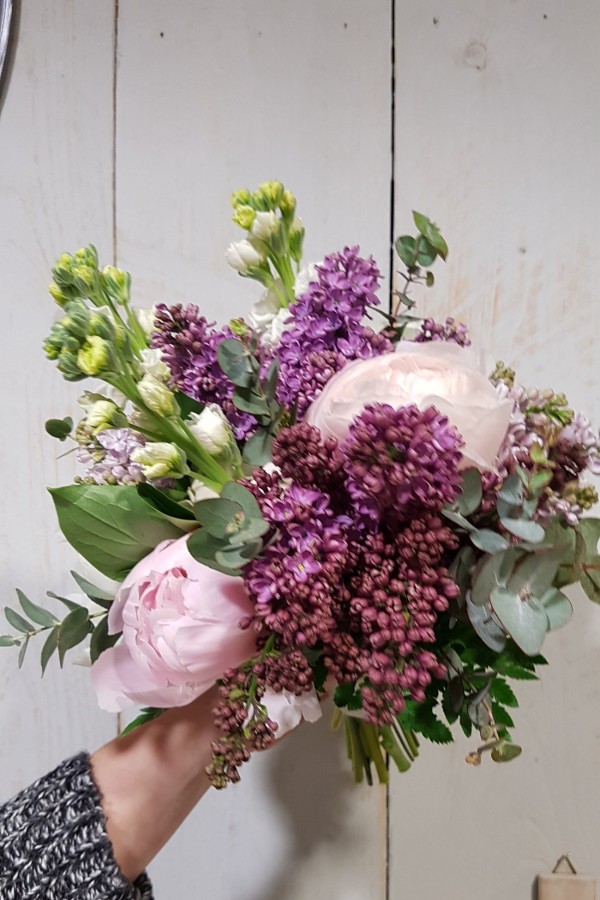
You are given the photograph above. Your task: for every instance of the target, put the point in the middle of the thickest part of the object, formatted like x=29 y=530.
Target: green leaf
x=101 y=640
x=486 y=626
x=248 y=400
x=536 y=572
x=502 y=716
x=246 y=499
x=505 y=752
x=430 y=231
x=426 y=252
x=458 y=519
x=258 y=450
x=557 y=607
x=204 y=548
x=22 y=652
x=501 y=691
x=429 y=279
x=589 y=529
x=36 y=613
x=146 y=715
x=163 y=503
x=471 y=492
x=7 y=640
x=269 y=384
x=234 y=359
x=17 y=621
x=524 y=620
x=406 y=248
x=346 y=696
x=489 y=541
x=237 y=557
x=524 y=529
x=70 y=604
x=187 y=405
x=455 y=694
x=72 y=631
x=98 y=595
x=49 y=648
x=539 y=481
x=219 y=516
x=112 y=527
x=253 y=528
x=59 y=428
x=512 y=491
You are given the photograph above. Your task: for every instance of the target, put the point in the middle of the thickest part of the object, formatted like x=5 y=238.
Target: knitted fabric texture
x=54 y=845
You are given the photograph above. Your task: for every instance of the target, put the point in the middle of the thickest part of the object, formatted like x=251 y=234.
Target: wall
x=129 y=124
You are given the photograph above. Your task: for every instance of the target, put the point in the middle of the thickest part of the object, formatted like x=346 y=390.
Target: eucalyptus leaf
x=524 y=620
x=591 y=586
x=234 y=359
x=458 y=519
x=219 y=516
x=536 y=572
x=237 y=557
x=557 y=607
x=112 y=527
x=22 y=652
x=456 y=695
x=271 y=379
x=486 y=626
x=49 y=648
x=248 y=400
x=540 y=480
x=72 y=631
x=406 y=248
x=470 y=497
x=246 y=499
x=258 y=449
x=253 y=528
x=98 y=595
x=101 y=640
x=70 y=604
x=430 y=231
x=512 y=491
x=7 y=640
x=426 y=252
x=524 y=529
x=36 y=613
x=59 y=428
x=489 y=541
x=17 y=621
x=589 y=529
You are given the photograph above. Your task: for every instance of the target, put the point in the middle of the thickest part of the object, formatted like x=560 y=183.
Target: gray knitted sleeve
x=53 y=842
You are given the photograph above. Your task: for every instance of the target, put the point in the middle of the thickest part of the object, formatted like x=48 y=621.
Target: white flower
x=265 y=224
x=157 y=396
x=264 y=310
x=151 y=362
x=160 y=460
x=146 y=318
x=211 y=429
x=198 y=491
x=304 y=277
x=271 y=336
x=288 y=710
x=242 y=256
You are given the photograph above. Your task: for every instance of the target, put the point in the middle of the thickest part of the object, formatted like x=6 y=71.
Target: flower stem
x=370 y=738
x=391 y=745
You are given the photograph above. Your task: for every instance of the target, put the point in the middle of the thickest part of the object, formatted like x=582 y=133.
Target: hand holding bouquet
x=301 y=497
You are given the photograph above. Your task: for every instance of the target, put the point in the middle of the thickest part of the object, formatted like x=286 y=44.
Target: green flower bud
x=157 y=397
x=270 y=192
x=244 y=217
x=239 y=327
x=87 y=255
x=63 y=270
x=102 y=414
x=101 y=326
x=117 y=283
x=94 y=356
x=296 y=239
x=287 y=205
x=59 y=296
x=587 y=497
x=160 y=460
x=85 y=279
x=72 y=344
x=68 y=364
x=239 y=198
x=77 y=320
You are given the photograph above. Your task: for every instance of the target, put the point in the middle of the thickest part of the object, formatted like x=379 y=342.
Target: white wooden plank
x=497 y=136
x=212 y=97
x=55 y=180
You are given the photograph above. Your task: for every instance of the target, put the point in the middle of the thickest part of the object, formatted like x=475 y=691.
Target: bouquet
x=311 y=500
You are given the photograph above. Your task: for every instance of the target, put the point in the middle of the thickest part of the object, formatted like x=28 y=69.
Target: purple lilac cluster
x=365 y=590
x=542 y=419
x=400 y=462
x=452 y=331
x=327 y=324
x=189 y=345
x=109 y=459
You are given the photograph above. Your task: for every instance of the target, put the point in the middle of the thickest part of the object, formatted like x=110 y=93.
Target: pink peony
x=449 y=377
x=181 y=624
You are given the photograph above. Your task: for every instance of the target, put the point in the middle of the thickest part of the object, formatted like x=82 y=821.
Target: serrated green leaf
x=72 y=631
x=36 y=613
x=346 y=696
x=49 y=648
x=17 y=621
x=502 y=716
x=501 y=691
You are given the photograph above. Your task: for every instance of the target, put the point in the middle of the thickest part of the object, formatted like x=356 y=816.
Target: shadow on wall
x=311 y=786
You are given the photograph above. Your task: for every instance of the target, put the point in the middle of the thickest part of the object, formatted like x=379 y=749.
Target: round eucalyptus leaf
x=489 y=541
x=557 y=607
x=524 y=620
x=524 y=529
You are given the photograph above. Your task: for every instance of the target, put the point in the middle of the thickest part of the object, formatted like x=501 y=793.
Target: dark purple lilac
x=452 y=331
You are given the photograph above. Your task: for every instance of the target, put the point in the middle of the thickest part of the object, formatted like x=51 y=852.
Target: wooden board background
x=129 y=125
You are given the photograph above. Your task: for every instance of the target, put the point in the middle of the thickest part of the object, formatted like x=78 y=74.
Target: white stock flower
x=288 y=710
x=264 y=310
x=159 y=460
x=265 y=224
x=211 y=429
x=151 y=362
x=304 y=277
x=157 y=396
x=271 y=336
x=242 y=256
x=146 y=318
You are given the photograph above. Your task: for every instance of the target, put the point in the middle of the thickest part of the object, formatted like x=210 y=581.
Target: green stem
x=401 y=738
x=359 y=761
x=370 y=738
x=392 y=747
